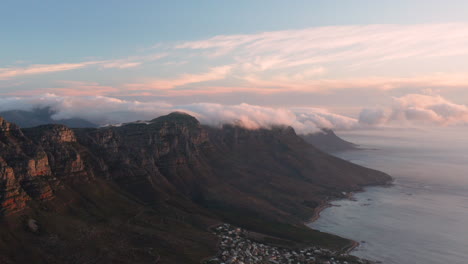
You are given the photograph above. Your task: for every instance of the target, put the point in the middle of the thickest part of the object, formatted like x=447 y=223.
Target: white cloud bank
x=417 y=109
x=108 y=110
x=409 y=110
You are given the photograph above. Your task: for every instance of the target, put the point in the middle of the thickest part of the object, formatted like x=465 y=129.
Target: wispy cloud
x=215 y=73
x=121 y=64
x=131 y=62
x=338 y=57
x=312 y=60
x=7 y=73
x=35 y=69
x=75 y=88
x=69 y=88
x=288 y=83
x=341 y=43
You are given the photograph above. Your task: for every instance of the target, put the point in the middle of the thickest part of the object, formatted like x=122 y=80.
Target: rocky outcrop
x=63 y=153
x=5 y=126
x=34 y=161
x=13 y=197
x=22 y=167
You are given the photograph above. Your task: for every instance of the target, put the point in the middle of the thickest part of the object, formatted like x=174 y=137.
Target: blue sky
x=339 y=57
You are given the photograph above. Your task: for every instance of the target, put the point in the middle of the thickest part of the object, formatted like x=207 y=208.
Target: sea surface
x=423 y=217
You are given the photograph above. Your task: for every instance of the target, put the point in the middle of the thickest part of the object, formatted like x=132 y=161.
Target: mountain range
x=145 y=191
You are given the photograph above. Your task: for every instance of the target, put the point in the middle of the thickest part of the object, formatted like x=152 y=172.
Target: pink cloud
x=121 y=64
x=373 y=54
x=332 y=43
x=215 y=73
x=73 y=88
x=290 y=83
x=7 y=73
x=131 y=62
x=299 y=82
x=213 y=90
x=69 y=88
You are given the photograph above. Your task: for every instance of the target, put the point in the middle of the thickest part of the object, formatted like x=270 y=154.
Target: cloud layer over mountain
x=409 y=110
x=107 y=110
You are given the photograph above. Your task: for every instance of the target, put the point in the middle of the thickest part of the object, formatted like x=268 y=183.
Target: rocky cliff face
x=24 y=168
x=165 y=175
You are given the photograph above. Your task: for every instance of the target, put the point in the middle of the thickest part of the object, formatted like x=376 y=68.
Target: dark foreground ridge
x=149 y=192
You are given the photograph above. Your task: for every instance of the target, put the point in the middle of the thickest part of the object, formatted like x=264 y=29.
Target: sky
x=346 y=64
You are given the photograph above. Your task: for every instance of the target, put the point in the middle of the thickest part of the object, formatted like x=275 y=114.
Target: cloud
x=76 y=88
x=69 y=88
x=107 y=110
x=311 y=60
x=340 y=43
x=372 y=117
x=321 y=118
x=429 y=108
x=215 y=73
x=7 y=73
x=286 y=83
x=340 y=57
x=98 y=109
x=131 y=62
x=417 y=109
x=121 y=64
x=35 y=69
x=303 y=120
x=249 y=116
x=407 y=111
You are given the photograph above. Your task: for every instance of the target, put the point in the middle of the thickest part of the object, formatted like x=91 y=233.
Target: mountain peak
x=177 y=117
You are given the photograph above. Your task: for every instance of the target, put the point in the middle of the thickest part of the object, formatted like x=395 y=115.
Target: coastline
x=353 y=243
x=327 y=204
x=318 y=210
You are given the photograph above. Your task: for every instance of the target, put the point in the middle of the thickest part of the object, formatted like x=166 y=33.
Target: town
x=235 y=247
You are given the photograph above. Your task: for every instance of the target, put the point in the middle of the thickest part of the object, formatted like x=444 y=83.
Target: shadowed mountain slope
x=326 y=140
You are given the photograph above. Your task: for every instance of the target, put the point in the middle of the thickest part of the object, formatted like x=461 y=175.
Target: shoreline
x=327 y=204
x=318 y=210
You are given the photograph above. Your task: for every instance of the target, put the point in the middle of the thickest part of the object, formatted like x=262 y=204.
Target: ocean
x=423 y=217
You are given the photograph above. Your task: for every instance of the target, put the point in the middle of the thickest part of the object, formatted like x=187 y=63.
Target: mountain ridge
x=326 y=140
x=168 y=175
